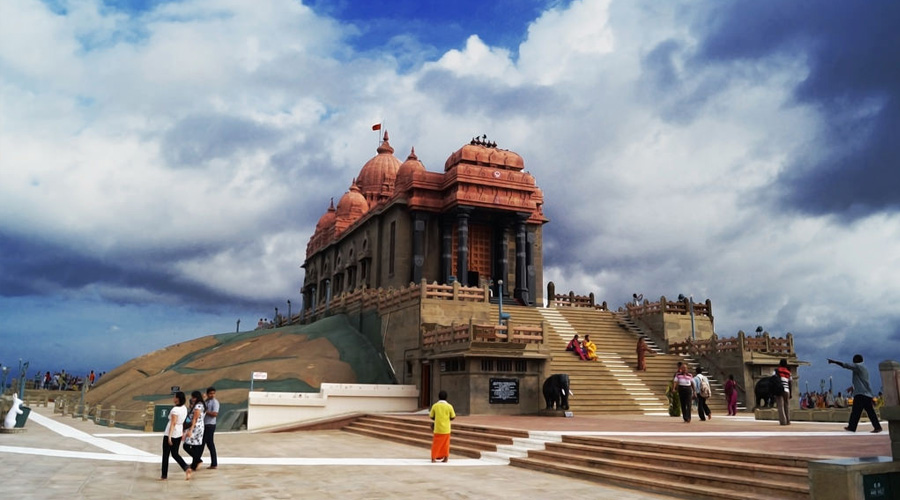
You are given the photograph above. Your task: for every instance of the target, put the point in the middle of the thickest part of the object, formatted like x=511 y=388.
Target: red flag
x=377 y=126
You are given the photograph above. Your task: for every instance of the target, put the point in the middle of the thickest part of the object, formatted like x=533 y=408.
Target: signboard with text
x=504 y=391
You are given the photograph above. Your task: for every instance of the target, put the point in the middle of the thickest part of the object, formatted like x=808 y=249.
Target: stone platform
x=62 y=457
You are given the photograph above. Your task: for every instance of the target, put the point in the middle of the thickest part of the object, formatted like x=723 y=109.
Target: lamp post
x=276 y=318
x=22 y=369
x=690 y=301
x=693 y=332
x=289 y=311
x=500 y=301
x=237 y=328
x=5 y=375
x=501 y=315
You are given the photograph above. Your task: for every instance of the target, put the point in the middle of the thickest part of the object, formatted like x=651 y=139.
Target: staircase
x=470 y=441
x=689 y=471
x=717 y=402
x=609 y=384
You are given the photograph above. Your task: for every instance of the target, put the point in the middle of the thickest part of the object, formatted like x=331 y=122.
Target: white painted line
x=747 y=434
x=390 y=462
x=70 y=432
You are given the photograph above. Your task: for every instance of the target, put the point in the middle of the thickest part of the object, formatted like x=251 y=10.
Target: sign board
x=504 y=391
x=260 y=375
x=175 y=388
x=881 y=486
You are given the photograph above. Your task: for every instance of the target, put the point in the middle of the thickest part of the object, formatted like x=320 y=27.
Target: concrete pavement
x=62 y=457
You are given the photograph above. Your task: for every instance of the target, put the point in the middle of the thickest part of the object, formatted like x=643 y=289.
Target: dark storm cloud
x=467 y=95
x=851 y=52
x=33 y=268
x=197 y=139
x=676 y=100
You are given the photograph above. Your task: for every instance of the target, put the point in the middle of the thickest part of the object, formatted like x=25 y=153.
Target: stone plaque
x=504 y=391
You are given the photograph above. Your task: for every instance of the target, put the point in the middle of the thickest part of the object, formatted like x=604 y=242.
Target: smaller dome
x=409 y=167
x=327 y=219
x=353 y=205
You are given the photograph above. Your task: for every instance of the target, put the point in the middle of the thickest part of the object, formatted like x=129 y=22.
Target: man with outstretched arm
x=862 y=394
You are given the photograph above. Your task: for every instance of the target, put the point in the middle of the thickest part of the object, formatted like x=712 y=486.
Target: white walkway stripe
x=70 y=432
x=748 y=434
x=389 y=462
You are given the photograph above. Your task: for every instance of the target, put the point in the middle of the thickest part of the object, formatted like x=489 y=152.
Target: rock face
x=297 y=358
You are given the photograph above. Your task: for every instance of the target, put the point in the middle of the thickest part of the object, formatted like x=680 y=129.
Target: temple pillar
x=521 y=290
x=446 y=249
x=502 y=259
x=418 y=243
x=529 y=264
x=462 y=251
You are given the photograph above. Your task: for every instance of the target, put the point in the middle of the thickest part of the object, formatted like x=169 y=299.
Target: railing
x=471 y=332
x=572 y=300
x=670 y=307
x=764 y=344
x=370 y=298
x=74 y=408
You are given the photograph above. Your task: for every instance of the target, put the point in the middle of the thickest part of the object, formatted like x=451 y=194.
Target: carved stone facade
x=477 y=222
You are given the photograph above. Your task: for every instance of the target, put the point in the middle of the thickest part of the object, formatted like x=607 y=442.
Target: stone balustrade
x=461 y=333
x=391 y=299
x=764 y=344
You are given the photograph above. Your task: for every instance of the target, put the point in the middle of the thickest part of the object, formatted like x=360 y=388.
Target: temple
x=477 y=223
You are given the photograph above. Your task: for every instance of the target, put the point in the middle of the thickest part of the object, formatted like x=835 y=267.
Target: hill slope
x=297 y=358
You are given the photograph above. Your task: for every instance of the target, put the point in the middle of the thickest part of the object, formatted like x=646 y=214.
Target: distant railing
x=572 y=300
x=764 y=344
x=670 y=307
x=457 y=333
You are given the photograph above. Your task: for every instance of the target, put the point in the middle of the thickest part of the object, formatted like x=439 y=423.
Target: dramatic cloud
x=164 y=167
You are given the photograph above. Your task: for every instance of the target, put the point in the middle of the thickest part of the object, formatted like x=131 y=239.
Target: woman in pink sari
x=574 y=345
x=731 y=394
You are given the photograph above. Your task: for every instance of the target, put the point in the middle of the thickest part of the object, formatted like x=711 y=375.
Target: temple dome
x=327 y=219
x=378 y=175
x=409 y=167
x=352 y=205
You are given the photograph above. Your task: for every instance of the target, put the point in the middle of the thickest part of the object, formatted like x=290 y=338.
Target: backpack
x=705 y=392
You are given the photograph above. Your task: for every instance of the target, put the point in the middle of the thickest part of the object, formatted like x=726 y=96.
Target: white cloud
x=655 y=181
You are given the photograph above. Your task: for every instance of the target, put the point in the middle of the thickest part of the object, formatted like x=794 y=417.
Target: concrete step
x=692 y=471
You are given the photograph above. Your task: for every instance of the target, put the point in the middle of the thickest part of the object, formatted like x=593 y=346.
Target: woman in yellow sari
x=590 y=348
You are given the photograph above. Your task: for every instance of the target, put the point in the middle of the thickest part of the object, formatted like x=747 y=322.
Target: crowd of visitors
x=63 y=381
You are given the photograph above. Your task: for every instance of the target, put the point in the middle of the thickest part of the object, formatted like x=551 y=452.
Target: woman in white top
x=172 y=436
x=193 y=435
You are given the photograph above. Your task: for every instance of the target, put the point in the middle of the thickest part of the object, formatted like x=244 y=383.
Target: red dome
x=409 y=167
x=352 y=205
x=378 y=175
x=327 y=219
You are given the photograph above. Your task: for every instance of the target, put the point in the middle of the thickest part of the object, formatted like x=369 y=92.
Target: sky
x=163 y=163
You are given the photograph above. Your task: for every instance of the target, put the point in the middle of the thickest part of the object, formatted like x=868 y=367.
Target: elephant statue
x=556 y=391
x=766 y=389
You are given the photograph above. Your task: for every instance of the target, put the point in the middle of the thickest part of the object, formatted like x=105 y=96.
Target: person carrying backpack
x=701 y=386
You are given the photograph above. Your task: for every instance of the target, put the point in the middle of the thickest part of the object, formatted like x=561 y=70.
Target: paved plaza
x=63 y=457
